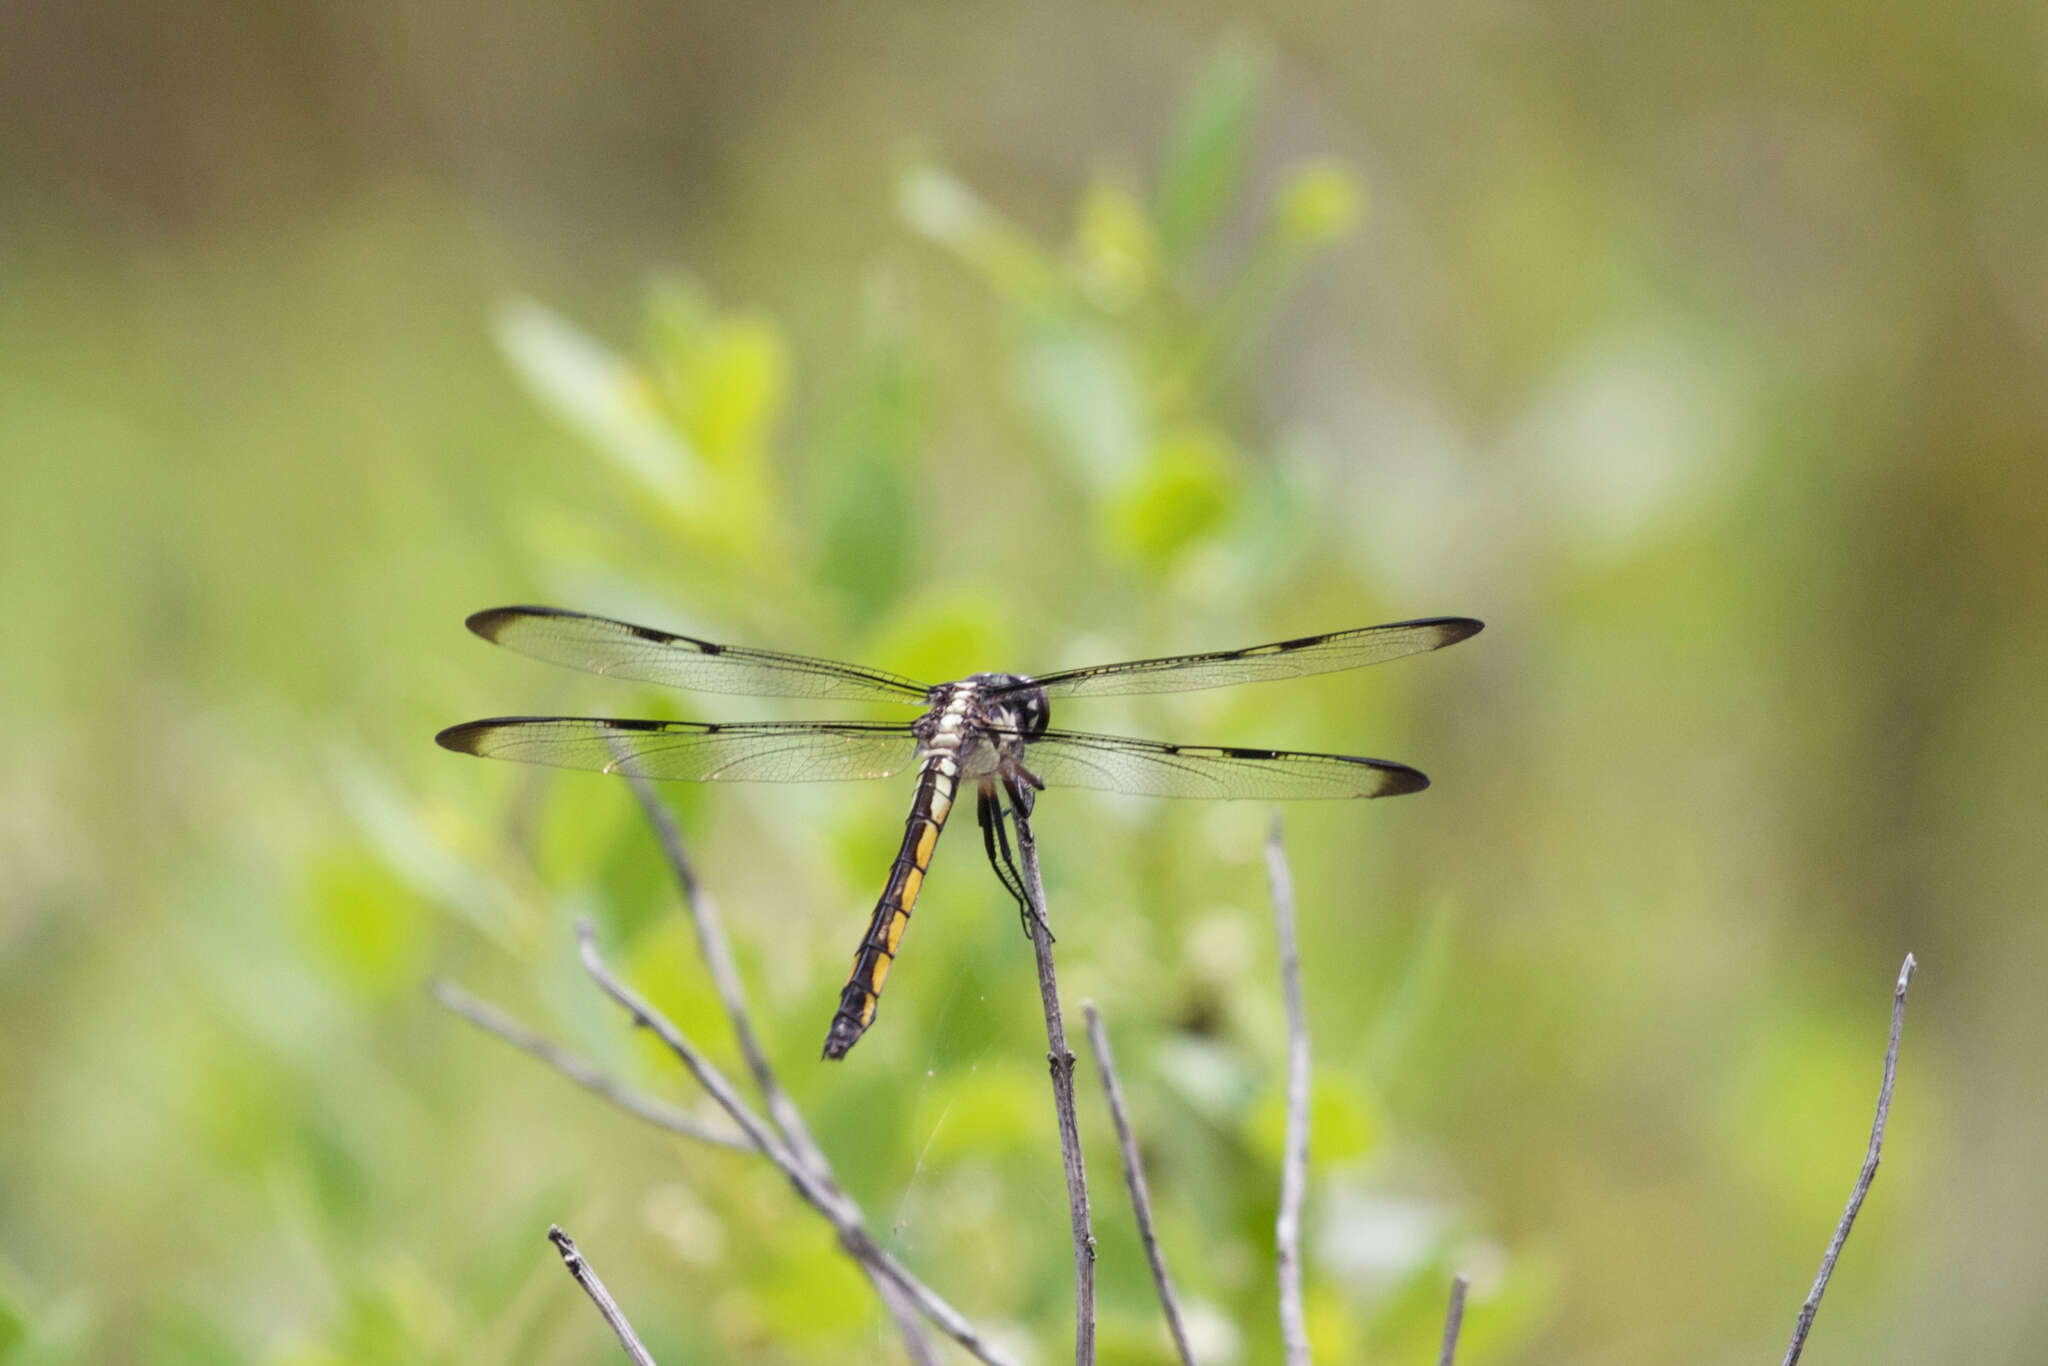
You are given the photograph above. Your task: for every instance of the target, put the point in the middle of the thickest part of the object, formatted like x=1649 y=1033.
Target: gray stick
x=1060 y=1061
x=1865 y=1177
x=1134 y=1179
x=837 y=1208
x=586 y=1276
x=1454 y=1319
x=491 y=1020
x=725 y=978
x=1294 y=1162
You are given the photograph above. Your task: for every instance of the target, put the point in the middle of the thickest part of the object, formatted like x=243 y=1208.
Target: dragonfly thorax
x=1012 y=702
x=982 y=723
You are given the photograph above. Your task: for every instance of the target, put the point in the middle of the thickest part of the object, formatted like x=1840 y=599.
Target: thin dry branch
x=725 y=977
x=491 y=1020
x=586 y=1276
x=1134 y=1179
x=836 y=1207
x=1454 y=1320
x=1863 y=1178
x=1294 y=1162
x=782 y=1111
x=1060 y=1061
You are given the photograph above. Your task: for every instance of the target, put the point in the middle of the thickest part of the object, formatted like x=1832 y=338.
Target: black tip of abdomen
x=845 y=1032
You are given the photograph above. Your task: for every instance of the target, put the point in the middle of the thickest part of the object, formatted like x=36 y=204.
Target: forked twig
x=1294 y=1161
x=725 y=977
x=836 y=1207
x=491 y=1020
x=1868 y=1174
x=1134 y=1179
x=1454 y=1320
x=586 y=1276
x=782 y=1111
x=1060 y=1061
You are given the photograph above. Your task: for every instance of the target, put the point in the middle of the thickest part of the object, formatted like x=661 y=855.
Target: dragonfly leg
x=1021 y=800
x=990 y=811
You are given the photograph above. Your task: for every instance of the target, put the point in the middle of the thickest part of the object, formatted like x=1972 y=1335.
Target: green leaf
x=1184 y=492
x=600 y=396
x=862 y=487
x=14 y=1320
x=1343 y=1121
x=40 y=1329
x=938 y=207
x=178 y=1334
x=365 y=924
x=1205 y=155
x=944 y=633
x=723 y=376
x=1082 y=386
x=1321 y=202
x=1117 y=246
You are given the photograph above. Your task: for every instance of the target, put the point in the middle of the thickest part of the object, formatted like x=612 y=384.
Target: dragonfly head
x=1013 y=702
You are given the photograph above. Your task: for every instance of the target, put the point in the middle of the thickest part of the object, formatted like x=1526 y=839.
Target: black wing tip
x=1456 y=629
x=1401 y=779
x=468 y=737
x=462 y=739
x=492 y=621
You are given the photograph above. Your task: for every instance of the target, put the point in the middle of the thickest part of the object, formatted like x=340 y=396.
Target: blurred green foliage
x=1697 y=351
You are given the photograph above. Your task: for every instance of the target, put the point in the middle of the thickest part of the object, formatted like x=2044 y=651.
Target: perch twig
x=1060 y=1061
x=1864 y=1177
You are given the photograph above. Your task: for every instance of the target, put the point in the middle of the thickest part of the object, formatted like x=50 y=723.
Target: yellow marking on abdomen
x=862 y=994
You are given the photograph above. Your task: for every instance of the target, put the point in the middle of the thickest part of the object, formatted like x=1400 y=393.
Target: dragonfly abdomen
x=878 y=947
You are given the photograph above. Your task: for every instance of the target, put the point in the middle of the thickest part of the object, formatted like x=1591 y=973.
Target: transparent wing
x=1260 y=663
x=1148 y=768
x=620 y=649
x=688 y=751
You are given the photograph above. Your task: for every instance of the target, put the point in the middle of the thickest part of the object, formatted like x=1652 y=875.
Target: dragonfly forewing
x=619 y=649
x=1298 y=658
x=690 y=751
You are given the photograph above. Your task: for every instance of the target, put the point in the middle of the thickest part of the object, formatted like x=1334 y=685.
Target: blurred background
x=1700 y=351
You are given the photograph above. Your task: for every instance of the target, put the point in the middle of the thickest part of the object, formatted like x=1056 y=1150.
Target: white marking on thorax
x=946 y=730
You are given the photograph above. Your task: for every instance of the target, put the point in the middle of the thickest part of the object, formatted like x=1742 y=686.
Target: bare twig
x=1294 y=1161
x=1454 y=1319
x=836 y=1207
x=782 y=1111
x=491 y=1020
x=1865 y=1177
x=1060 y=1060
x=1134 y=1178
x=586 y=1276
x=712 y=943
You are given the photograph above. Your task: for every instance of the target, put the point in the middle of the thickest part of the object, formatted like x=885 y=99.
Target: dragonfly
x=989 y=731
